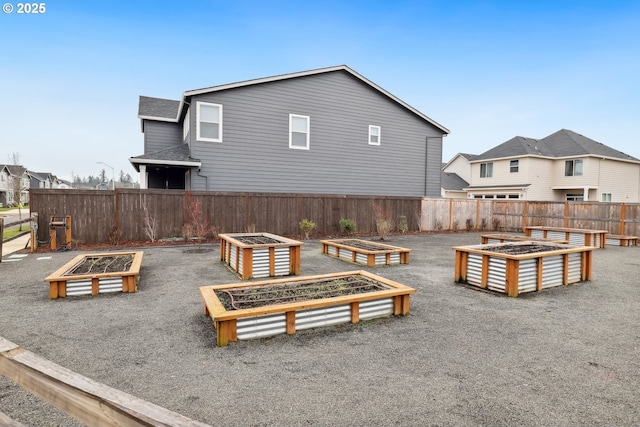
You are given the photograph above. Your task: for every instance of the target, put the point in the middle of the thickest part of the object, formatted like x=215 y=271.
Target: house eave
x=280 y=77
x=137 y=162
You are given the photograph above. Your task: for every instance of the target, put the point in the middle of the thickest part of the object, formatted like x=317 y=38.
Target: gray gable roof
x=168 y=110
x=452 y=181
x=158 y=108
x=563 y=143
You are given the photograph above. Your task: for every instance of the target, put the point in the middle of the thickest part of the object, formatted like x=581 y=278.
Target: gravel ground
x=566 y=356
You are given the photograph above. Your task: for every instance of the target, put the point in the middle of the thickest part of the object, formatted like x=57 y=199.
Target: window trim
x=186 y=124
x=514 y=166
x=199 y=137
x=573 y=167
x=308 y=132
x=371 y=127
x=488 y=171
x=606 y=197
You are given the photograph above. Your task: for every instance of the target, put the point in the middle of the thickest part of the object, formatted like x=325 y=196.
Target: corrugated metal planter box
x=256 y=255
x=575 y=236
x=270 y=320
x=365 y=252
x=63 y=282
x=550 y=265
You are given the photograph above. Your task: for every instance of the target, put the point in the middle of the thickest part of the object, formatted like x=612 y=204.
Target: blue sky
x=70 y=77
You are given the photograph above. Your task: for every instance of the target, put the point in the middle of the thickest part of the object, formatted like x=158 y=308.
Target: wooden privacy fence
x=97 y=213
x=514 y=215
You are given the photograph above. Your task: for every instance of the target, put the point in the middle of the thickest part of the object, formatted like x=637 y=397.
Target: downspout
x=206 y=177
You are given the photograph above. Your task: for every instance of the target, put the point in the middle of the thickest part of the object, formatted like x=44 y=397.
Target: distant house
x=327 y=130
x=14 y=179
x=562 y=166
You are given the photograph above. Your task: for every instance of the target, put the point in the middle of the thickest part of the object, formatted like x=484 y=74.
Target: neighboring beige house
x=564 y=166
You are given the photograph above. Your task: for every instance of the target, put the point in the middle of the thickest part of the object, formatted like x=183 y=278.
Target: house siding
x=538 y=173
x=161 y=135
x=254 y=154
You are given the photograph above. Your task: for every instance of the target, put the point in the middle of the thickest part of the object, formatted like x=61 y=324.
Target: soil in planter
x=521 y=249
x=101 y=264
x=257 y=240
x=259 y=296
x=358 y=244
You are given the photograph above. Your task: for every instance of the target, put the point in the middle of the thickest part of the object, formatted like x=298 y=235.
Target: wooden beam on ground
x=88 y=401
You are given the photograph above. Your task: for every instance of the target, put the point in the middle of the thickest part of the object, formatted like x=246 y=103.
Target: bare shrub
x=454 y=225
x=187 y=232
x=468 y=224
x=496 y=224
x=483 y=224
x=438 y=226
x=385 y=221
x=403 y=224
x=115 y=234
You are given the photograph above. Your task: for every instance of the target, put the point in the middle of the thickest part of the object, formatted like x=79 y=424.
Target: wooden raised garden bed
x=501 y=238
x=517 y=267
x=255 y=255
x=364 y=252
x=620 y=240
x=98 y=273
x=575 y=236
x=242 y=311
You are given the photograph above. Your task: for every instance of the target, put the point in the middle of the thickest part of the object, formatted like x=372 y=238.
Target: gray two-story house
x=327 y=130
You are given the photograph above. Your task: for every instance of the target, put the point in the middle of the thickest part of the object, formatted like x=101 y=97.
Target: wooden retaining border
x=90 y=402
x=375 y=254
x=575 y=236
x=483 y=266
x=62 y=283
x=501 y=238
x=619 y=240
x=287 y=318
x=278 y=258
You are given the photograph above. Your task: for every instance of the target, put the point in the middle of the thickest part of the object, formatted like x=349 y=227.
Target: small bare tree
x=150 y=224
x=199 y=224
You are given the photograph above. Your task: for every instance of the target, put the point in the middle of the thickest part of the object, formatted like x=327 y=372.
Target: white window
x=573 y=168
x=185 y=125
x=299 y=132
x=209 y=122
x=486 y=170
x=514 y=166
x=606 y=197
x=374 y=135
x=574 y=197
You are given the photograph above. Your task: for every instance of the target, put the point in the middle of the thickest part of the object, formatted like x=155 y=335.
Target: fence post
x=1 y=236
x=622 y=217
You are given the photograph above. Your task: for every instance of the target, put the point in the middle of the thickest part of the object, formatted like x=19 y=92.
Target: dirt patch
x=257 y=240
x=521 y=249
x=365 y=246
x=260 y=296
x=101 y=264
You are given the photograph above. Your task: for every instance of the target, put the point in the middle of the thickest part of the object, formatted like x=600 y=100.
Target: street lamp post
x=113 y=174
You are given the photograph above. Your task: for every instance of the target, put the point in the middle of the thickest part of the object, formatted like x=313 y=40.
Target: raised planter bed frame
x=620 y=240
x=287 y=318
x=281 y=258
x=575 y=236
x=382 y=255
x=513 y=274
x=501 y=238
x=62 y=284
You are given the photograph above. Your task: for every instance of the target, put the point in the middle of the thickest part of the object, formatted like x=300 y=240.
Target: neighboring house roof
x=178 y=156
x=168 y=110
x=563 y=143
x=467 y=156
x=452 y=182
